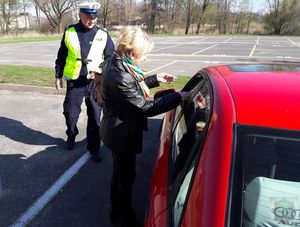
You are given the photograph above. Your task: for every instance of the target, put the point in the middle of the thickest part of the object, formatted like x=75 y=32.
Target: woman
x=125 y=92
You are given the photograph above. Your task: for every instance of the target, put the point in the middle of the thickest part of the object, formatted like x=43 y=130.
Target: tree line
x=157 y=16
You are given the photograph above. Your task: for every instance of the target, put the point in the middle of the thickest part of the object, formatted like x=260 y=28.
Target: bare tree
x=38 y=15
x=203 y=7
x=223 y=15
x=127 y=11
x=55 y=10
x=171 y=12
x=240 y=15
x=250 y=16
x=281 y=14
x=7 y=10
x=153 y=9
x=188 y=7
x=150 y=9
x=106 y=11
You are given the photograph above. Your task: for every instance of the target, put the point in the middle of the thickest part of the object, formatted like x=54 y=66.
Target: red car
x=231 y=155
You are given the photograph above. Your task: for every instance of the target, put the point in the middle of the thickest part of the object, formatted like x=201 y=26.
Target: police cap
x=89 y=8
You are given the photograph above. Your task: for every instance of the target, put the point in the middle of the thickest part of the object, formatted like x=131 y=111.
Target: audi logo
x=283 y=212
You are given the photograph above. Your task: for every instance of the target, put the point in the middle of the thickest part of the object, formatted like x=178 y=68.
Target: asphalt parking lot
x=179 y=55
x=44 y=184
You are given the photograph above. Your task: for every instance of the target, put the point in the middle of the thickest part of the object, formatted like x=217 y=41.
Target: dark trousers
x=76 y=91
x=123 y=178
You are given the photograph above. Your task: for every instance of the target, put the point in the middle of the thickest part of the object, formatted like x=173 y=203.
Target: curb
x=30 y=88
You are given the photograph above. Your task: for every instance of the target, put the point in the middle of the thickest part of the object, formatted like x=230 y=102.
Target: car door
x=191 y=120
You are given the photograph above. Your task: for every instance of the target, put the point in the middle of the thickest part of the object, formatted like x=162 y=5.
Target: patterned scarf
x=137 y=73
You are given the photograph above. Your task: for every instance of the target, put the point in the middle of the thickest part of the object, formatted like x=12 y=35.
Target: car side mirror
x=162 y=93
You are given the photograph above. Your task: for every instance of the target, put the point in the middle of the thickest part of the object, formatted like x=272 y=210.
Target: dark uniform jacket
x=86 y=37
x=126 y=110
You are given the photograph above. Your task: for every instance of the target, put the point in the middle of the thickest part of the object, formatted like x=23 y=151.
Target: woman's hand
x=166 y=78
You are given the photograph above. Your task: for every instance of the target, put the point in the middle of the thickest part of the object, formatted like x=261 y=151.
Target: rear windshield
x=267 y=190
x=265 y=68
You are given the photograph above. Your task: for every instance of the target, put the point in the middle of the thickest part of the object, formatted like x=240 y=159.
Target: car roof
x=265 y=94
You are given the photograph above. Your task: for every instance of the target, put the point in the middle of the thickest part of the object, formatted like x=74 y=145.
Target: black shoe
x=96 y=157
x=71 y=142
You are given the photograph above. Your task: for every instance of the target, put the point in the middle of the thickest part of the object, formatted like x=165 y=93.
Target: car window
x=270 y=181
x=191 y=120
x=182 y=193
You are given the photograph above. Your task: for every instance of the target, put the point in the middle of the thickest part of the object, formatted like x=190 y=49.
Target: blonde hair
x=133 y=40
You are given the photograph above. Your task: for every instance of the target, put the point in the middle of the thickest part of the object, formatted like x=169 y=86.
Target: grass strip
x=5 y=40
x=27 y=75
x=42 y=76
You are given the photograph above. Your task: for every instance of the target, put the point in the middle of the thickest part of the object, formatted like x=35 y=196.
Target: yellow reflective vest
x=73 y=60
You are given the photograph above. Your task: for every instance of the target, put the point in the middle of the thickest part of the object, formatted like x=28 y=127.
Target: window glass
x=271 y=177
x=180 y=198
x=191 y=118
x=265 y=68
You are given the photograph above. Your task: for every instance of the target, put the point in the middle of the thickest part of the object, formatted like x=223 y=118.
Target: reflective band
x=74 y=61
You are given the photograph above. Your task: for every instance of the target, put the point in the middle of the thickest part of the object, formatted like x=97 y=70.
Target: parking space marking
x=205 y=49
x=228 y=39
x=163 y=48
x=253 y=49
x=162 y=66
x=180 y=44
x=206 y=56
x=206 y=62
x=292 y=42
x=41 y=202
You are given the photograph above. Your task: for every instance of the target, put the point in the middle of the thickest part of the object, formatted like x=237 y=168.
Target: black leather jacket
x=126 y=110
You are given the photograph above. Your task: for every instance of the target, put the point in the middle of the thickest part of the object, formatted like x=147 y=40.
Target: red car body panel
x=159 y=183
x=264 y=91
x=249 y=98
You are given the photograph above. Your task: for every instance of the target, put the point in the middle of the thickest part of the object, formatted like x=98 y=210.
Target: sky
x=259 y=6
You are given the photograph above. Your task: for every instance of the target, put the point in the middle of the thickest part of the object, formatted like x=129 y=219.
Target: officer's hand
x=58 y=83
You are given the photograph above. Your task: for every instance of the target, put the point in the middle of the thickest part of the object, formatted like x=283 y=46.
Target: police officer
x=83 y=49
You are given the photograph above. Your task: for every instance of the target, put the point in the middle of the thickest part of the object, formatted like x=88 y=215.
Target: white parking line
x=162 y=66
x=41 y=202
x=180 y=44
x=228 y=39
x=292 y=42
x=257 y=41
x=253 y=49
x=163 y=56
x=204 y=49
x=167 y=47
